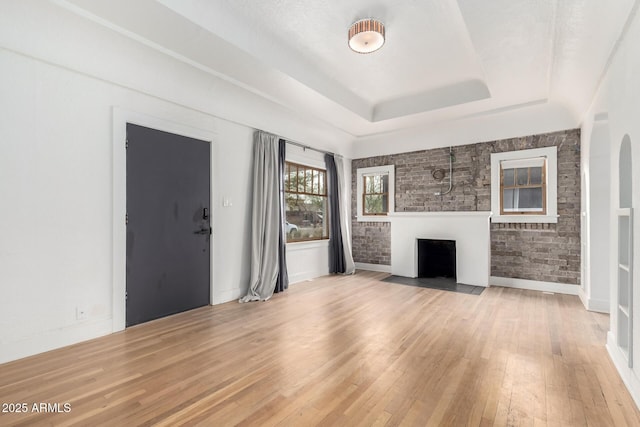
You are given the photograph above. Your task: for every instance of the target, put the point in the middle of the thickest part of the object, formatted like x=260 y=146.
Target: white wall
x=491 y=126
x=599 y=211
x=62 y=76
x=618 y=98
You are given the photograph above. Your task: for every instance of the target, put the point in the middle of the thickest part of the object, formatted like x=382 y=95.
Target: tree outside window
x=375 y=195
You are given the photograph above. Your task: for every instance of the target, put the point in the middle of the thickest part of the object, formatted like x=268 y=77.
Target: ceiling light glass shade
x=366 y=35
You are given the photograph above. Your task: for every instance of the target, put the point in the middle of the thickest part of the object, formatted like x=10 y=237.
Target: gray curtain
x=265 y=222
x=340 y=258
x=343 y=202
x=336 y=249
x=283 y=278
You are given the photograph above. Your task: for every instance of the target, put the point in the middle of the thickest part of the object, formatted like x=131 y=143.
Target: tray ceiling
x=443 y=60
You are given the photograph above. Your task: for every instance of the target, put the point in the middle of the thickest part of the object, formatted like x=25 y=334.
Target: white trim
x=551 y=154
x=307 y=244
x=305 y=157
x=485 y=214
x=523 y=163
x=597 y=305
x=521 y=219
x=305 y=276
x=583 y=298
x=627 y=375
x=535 y=285
x=53 y=339
x=373 y=267
x=375 y=170
x=229 y=295
x=120 y=119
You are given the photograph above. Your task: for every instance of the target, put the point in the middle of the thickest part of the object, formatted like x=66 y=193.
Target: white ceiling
x=443 y=60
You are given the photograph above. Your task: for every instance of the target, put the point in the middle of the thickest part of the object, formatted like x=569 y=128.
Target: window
x=524 y=186
x=375 y=193
x=306 y=203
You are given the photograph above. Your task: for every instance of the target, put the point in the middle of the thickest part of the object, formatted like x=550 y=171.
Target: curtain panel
x=345 y=220
x=267 y=221
x=283 y=277
x=340 y=257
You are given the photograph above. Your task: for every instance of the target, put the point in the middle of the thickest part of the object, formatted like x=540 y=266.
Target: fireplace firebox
x=436 y=258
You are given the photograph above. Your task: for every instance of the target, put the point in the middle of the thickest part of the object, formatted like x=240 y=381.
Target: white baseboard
x=54 y=339
x=535 y=285
x=592 y=304
x=228 y=295
x=583 y=298
x=598 y=305
x=373 y=267
x=628 y=376
x=306 y=275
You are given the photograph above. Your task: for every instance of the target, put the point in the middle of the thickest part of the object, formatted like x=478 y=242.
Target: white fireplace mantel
x=470 y=230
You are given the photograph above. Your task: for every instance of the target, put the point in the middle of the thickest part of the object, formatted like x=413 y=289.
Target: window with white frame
x=375 y=193
x=305 y=190
x=524 y=186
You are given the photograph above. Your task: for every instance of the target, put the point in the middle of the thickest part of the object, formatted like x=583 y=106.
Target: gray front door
x=168 y=224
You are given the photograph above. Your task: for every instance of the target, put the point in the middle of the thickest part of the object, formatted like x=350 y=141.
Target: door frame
x=119 y=255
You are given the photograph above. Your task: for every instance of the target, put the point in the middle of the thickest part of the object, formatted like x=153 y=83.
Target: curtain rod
x=305 y=147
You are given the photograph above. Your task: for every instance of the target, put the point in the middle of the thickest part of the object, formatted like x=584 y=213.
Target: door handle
x=203 y=231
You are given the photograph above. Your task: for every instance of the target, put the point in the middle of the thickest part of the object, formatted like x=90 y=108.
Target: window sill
x=307 y=244
x=373 y=218
x=518 y=219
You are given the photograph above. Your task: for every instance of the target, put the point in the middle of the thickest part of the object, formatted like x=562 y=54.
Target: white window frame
x=376 y=170
x=551 y=155
x=314 y=159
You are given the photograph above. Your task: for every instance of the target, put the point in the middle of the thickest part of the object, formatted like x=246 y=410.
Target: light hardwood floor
x=340 y=351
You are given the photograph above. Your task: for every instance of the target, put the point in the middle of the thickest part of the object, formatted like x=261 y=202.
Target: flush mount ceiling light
x=366 y=35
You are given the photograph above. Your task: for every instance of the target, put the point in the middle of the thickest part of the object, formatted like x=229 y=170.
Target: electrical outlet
x=81 y=313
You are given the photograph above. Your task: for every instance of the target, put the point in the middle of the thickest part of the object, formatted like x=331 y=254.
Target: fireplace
x=436 y=258
x=469 y=231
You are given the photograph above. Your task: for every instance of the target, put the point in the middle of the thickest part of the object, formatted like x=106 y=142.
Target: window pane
x=507 y=199
x=293 y=183
x=375 y=204
x=508 y=179
x=315 y=187
x=536 y=176
x=300 y=180
x=385 y=183
x=308 y=180
x=287 y=180
x=306 y=217
x=523 y=176
x=530 y=199
x=376 y=184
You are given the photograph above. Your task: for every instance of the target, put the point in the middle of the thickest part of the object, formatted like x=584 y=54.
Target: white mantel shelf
x=469 y=229
x=485 y=214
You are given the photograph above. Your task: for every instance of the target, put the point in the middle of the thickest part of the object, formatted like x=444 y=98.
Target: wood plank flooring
x=339 y=351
